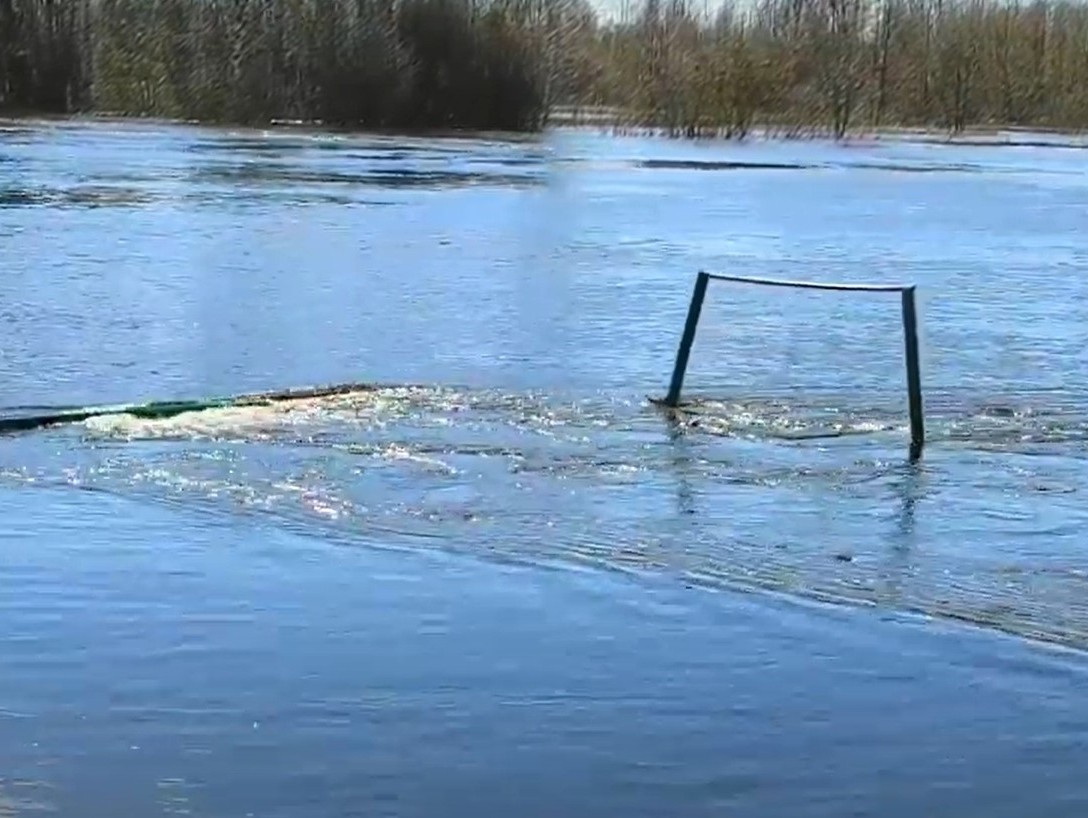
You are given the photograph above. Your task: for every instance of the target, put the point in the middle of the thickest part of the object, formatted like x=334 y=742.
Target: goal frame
x=910 y=339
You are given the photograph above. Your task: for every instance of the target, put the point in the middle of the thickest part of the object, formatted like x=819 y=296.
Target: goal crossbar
x=810 y=285
x=910 y=338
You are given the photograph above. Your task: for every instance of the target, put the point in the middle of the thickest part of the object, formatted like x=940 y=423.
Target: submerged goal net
x=800 y=359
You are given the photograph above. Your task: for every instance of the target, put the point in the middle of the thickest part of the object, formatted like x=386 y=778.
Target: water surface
x=324 y=606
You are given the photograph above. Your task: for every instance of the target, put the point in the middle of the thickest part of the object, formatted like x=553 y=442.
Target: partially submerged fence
x=910 y=339
x=161 y=410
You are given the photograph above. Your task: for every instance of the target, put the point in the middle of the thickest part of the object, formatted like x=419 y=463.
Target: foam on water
x=1011 y=425
x=774 y=418
x=256 y=421
x=531 y=477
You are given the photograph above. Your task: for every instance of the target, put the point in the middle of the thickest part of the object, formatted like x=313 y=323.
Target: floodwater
x=494 y=579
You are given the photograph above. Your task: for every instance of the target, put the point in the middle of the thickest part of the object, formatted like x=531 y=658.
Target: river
x=495 y=578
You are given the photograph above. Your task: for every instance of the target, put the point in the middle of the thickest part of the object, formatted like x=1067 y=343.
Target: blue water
x=502 y=582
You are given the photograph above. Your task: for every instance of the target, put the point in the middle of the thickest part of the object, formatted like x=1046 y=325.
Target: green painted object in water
x=162 y=410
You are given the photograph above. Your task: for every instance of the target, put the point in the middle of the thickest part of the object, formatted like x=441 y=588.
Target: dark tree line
x=793 y=65
x=375 y=63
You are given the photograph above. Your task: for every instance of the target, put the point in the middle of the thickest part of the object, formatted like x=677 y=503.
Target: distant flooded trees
x=377 y=63
x=793 y=65
x=42 y=55
x=842 y=64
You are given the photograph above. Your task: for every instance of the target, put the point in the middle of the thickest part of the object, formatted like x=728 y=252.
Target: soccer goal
x=910 y=339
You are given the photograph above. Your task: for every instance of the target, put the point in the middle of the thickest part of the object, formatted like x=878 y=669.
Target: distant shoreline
x=604 y=119
x=567 y=120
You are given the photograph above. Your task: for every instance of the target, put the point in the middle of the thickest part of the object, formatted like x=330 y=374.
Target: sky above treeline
x=615 y=9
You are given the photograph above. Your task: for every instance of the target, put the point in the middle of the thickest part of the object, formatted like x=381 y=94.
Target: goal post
x=910 y=339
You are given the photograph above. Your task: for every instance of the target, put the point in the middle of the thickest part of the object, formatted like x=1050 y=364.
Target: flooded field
x=495 y=578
